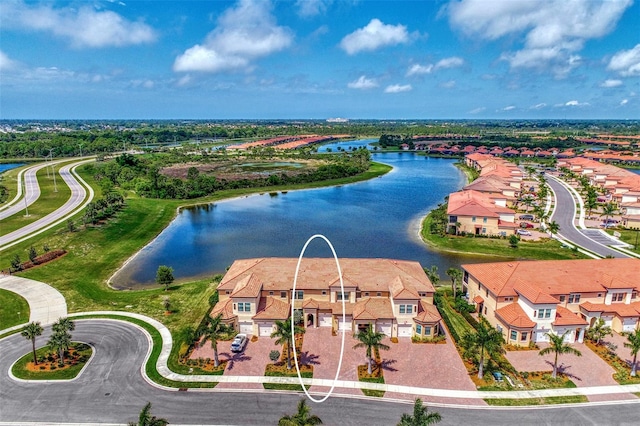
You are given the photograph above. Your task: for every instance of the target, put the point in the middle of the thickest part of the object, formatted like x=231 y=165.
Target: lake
x=379 y=218
x=8 y=166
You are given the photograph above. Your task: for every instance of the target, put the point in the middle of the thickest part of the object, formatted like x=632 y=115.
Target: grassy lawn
x=574 y=399
x=281 y=371
x=629 y=236
x=545 y=249
x=49 y=369
x=14 y=309
x=46 y=203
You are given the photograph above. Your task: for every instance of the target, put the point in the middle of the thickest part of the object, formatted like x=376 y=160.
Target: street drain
x=107 y=394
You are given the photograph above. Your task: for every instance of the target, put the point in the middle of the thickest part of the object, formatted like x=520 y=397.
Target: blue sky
x=315 y=59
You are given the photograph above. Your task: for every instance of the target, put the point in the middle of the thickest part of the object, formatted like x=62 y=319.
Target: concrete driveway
x=586 y=370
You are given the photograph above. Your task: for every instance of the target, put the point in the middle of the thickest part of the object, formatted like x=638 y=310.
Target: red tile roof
x=533 y=294
x=271 y=308
x=225 y=308
x=249 y=286
x=427 y=313
x=373 y=308
x=514 y=316
x=566 y=317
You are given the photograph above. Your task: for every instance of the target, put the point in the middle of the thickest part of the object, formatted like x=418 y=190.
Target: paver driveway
x=586 y=370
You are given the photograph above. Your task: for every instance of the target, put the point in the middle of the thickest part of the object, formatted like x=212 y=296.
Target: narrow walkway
x=46 y=304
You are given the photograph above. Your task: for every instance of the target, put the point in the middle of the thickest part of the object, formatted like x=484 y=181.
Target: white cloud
x=84 y=26
x=611 y=83
x=244 y=33
x=144 y=83
x=626 y=62
x=7 y=63
x=309 y=8
x=398 y=88
x=417 y=69
x=509 y=108
x=363 y=83
x=572 y=103
x=477 y=110
x=448 y=84
x=554 y=30
x=538 y=106
x=452 y=62
x=624 y=102
x=375 y=35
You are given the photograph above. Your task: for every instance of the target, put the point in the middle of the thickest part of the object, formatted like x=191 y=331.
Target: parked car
x=608 y=225
x=526 y=217
x=239 y=343
x=526 y=225
x=523 y=232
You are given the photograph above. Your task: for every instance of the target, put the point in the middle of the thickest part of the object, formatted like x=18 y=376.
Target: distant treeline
x=395 y=141
x=143 y=174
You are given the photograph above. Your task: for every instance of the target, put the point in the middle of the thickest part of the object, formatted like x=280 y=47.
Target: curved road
x=78 y=196
x=112 y=390
x=565 y=214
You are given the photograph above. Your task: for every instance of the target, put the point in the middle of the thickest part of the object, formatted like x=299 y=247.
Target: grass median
x=14 y=309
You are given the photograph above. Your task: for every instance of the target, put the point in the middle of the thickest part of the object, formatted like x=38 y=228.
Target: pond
x=379 y=218
x=8 y=166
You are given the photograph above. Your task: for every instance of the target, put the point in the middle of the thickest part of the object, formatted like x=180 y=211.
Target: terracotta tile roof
x=427 y=314
x=514 y=315
x=373 y=275
x=630 y=310
x=373 y=308
x=249 y=286
x=533 y=294
x=401 y=290
x=474 y=203
x=611 y=282
x=336 y=308
x=225 y=308
x=553 y=277
x=271 y=308
x=478 y=299
x=566 y=317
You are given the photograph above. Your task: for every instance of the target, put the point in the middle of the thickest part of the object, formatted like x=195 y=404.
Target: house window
x=634 y=295
x=484 y=220
x=599 y=294
x=562 y=298
x=574 y=298
x=423 y=294
x=535 y=314
x=415 y=309
x=486 y=292
x=508 y=299
x=379 y=294
x=484 y=230
x=514 y=335
x=523 y=336
x=618 y=297
x=403 y=309
x=541 y=313
x=366 y=294
x=465 y=277
x=283 y=294
x=485 y=310
x=299 y=295
x=547 y=313
x=324 y=292
x=473 y=219
x=270 y=293
x=418 y=329
x=346 y=296
x=244 y=307
x=427 y=331
x=227 y=292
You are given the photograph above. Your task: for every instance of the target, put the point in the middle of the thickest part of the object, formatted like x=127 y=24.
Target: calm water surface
x=8 y=166
x=377 y=218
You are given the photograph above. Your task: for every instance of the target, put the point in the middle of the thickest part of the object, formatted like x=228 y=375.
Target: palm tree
x=553 y=227
x=421 y=416
x=633 y=344
x=455 y=274
x=558 y=347
x=284 y=335
x=30 y=332
x=486 y=340
x=146 y=419
x=63 y=325
x=608 y=210
x=214 y=330
x=371 y=340
x=598 y=331
x=432 y=273
x=302 y=418
x=60 y=342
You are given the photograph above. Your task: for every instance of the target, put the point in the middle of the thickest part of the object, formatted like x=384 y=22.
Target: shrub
x=274 y=355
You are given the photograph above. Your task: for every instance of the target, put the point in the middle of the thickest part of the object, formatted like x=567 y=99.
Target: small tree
x=16 y=263
x=214 y=331
x=30 y=332
x=598 y=331
x=274 y=355
x=421 y=416
x=302 y=418
x=432 y=273
x=166 y=303
x=164 y=276
x=285 y=335
x=455 y=274
x=557 y=346
x=513 y=241
x=45 y=248
x=486 y=341
x=71 y=225
x=32 y=254
x=553 y=227
x=633 y=344
x=146 y=419
x=371 y=340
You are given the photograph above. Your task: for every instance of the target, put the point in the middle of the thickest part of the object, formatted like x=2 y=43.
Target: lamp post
x=53 y=169
x=24 y=191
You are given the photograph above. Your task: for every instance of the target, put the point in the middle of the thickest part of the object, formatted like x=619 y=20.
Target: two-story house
x=395 y=296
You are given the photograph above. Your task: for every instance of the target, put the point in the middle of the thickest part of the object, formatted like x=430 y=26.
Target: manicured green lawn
x=499 y=249
x=574 y=399
x=14 y=309
x=630 y=236
x=21 y=371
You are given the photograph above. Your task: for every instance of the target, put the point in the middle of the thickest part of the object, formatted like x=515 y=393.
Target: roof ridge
x=256 y=262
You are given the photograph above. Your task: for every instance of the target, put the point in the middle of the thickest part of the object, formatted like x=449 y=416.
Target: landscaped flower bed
x=49 y=367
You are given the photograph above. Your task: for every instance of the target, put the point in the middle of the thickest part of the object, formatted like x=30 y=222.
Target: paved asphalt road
x=32 y=190
x=564 y=215
x=113 y=390
x=78 y=196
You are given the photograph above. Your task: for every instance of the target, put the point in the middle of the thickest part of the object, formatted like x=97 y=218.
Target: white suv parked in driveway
x=239 y=343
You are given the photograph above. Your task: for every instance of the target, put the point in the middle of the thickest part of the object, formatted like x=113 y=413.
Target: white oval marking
x=344 y=318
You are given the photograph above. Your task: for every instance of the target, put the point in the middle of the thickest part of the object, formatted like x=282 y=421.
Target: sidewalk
x=46 y=304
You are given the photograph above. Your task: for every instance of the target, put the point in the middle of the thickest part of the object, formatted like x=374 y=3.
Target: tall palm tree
x=63 y=325
x=633 y=344
x=60 y=341
x=30 y=332
x=486 y=341
x=553 y=227
x=146 y=419
x=455 y=274
x=371 y=340
x=302 y=418
x=214 y=330
x=598 y=331
x=608 y=210
x=421 y=416
x=284 y=334
x=432 y=274
x=558 y=347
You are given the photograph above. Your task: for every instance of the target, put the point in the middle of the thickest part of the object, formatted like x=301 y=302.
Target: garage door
x=404 y=330
x=344 y=325
x=246 y=328
x=265 y=329
x=324 y=319
x=384 y=327
x=541 y=336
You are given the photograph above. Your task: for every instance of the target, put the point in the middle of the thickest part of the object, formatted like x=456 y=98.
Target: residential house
x=478 y=213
